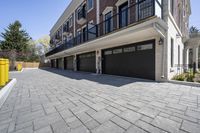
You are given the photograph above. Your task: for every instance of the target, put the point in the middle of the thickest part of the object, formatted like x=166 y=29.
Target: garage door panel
x=138 y=62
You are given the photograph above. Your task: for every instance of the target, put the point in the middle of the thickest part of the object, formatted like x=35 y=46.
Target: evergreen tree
x=194 y=29
x=15 y=38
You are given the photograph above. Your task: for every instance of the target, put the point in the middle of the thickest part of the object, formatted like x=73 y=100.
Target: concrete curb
x=5 y=91
x=193 y=84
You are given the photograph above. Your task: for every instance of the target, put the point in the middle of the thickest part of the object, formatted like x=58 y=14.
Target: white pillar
x=195 y=56
x=98 y=62
x=75 y=62
x=62 y=63
x=186 y=58
x=97 y=11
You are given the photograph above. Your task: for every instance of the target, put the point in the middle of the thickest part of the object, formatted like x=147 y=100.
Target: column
x=97 y=11
x=75 y=63
x=186 y=59
x=98 y=62
x=195 y=56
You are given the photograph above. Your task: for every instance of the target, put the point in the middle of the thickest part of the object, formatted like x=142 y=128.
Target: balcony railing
x=135 y=13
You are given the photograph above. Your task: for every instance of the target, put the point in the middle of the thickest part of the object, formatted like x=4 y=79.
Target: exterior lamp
x=161 y=41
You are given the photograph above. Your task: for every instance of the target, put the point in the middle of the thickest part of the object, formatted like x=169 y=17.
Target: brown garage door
x=68 y=63
x=86 y=62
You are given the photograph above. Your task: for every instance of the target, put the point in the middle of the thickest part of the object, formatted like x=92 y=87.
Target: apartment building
x=134 y=38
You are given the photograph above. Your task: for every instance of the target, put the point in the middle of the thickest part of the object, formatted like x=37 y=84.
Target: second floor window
x=82 y=12
x=123 y=15
x=89 y=4
x=70 y=21
x=108 y=22
x=172 y=7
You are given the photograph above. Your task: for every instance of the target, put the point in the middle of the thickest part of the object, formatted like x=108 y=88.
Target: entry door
x=123 y=15
x=134 y=60
x=87 y=62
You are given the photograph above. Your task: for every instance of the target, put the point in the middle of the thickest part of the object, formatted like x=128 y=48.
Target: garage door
x=68 y=63
x=60 y=63
x=53 y=63
x=86 y=62
x=135 y=60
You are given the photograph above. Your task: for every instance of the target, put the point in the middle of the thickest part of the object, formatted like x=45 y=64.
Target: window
x=179 y=55
x=70 y=21
x=172 y=7
x=123 y=15
x=146 y=9
x=89 y=4
x=84 y=34
x=117 y=51
x=129 y=49
x=108 y=22
x=66 y=27
x=78 y=33
x=81 y=12
x=145 y=47
x=108 y=52
x=172 y=52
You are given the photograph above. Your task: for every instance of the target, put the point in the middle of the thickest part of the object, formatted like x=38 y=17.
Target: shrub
x=190 y=77
x=180 y=77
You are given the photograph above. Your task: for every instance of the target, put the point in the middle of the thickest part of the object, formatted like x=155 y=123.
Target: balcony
x=82 y=15
x=138 y=13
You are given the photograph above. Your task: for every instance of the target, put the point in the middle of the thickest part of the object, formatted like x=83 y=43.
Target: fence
x=26 y=59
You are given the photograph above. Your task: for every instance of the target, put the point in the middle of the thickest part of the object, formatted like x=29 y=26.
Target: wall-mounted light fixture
x=178 y=35
x=161 y=41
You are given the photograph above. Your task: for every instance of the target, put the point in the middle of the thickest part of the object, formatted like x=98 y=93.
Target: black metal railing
x=136 y=12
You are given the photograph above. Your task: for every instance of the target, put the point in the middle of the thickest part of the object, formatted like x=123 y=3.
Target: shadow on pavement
x=116 y=81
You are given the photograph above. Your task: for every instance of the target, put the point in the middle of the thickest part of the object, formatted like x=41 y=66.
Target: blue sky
x=38 y=16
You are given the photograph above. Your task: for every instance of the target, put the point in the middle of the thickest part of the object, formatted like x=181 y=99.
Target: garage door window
x=108 y=52
x=129 y=49
x=145 y=47
x=117 y=51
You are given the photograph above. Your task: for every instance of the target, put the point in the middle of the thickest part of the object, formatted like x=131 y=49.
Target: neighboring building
x=192 y=51
x=136 y=38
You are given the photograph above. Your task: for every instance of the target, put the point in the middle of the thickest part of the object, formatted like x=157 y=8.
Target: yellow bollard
x=19 y=67
x=2 y=72
x=7 y=70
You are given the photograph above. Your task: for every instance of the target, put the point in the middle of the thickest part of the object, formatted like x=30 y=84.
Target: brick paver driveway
x=45 y=102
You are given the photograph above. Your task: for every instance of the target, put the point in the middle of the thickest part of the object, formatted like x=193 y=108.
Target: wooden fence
x=32 y=64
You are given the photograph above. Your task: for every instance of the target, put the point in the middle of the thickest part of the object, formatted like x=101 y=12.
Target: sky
x=38 y=16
